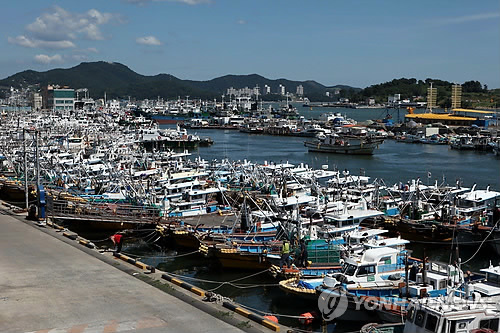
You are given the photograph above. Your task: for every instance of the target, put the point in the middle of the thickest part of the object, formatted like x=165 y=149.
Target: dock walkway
x=50 y=286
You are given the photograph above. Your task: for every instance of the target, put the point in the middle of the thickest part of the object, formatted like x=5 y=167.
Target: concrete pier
x=48 y=285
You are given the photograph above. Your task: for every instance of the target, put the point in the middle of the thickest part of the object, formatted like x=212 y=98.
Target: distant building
x=243 y=92
x=267 y=89
x=37 y=101
x=337 y=91
x=327 y=94
x=456 y=96
x=370 y=101
x=63 y=99
x=300 y=90
x=55 y=97
x=281 y=89
x=394 y=99
x=231 y=91
x=15 y=97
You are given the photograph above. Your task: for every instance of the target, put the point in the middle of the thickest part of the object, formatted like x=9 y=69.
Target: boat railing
x=112 y=212
x=322 y=254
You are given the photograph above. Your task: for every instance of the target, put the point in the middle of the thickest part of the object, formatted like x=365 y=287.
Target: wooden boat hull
x=359 y=149
x=359 y=307
x=419 y=231
x=242 y=260
x=288 y=286
x=13 y=191
x=185 y=239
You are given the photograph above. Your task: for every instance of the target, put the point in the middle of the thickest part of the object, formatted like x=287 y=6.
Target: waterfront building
x=55 y=97
x=394 y=99
x=267 y=89
x=63 y=99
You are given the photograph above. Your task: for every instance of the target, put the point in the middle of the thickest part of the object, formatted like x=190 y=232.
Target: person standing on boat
x=117 y=239
x=285 y=254
x=303 y=254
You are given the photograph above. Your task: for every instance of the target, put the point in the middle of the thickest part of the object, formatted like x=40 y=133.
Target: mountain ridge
x=119 y=81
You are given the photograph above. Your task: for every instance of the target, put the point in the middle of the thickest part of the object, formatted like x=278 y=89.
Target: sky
x=358 y=43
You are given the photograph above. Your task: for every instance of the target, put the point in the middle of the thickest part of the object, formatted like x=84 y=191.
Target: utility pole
x=25 y=169
x=37 y=160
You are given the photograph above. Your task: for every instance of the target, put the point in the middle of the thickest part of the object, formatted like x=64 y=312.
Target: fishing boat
x=450 y=314
x=376 y=273
x=334 y=143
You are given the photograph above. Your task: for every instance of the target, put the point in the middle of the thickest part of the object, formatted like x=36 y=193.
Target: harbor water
x=393 y=162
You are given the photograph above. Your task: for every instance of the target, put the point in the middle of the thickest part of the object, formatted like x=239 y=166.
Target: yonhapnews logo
x=332 y=303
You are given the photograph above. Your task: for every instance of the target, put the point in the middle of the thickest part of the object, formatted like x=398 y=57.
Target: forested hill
x=119 y=81
x=473 y=92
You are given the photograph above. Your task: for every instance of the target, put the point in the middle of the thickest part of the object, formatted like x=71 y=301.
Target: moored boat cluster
x=324 y=233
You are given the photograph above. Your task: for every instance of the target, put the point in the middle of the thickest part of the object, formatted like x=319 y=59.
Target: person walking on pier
x=118 y=241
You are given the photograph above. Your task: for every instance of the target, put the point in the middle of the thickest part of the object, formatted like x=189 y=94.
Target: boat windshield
x=350 y=270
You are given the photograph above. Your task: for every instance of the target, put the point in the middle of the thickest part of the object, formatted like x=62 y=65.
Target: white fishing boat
x=344 y=144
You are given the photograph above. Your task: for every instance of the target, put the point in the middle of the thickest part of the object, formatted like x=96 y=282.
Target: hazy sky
x=358 y=43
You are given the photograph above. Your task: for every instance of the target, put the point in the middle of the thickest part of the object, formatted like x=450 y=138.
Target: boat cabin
x=452 y=315
x=438 y=277
x=476 y=201
x=373 y=265
x=490 y=286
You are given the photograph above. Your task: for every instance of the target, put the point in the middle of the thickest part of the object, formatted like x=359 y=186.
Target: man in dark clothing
x=118 y=241
x=303 y=254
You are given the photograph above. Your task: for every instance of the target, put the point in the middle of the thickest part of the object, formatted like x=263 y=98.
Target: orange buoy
x=307 y=318
x=272 y=318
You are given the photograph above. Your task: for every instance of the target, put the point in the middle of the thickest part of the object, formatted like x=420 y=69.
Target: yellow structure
x=458 y=117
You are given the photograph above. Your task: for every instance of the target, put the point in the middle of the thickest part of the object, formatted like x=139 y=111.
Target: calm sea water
x=393 y=162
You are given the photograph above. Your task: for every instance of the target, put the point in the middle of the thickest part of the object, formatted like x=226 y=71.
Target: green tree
x=472 y=86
